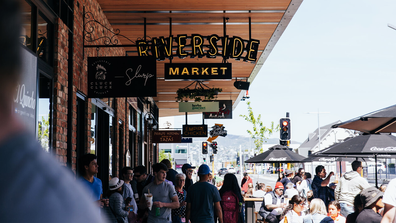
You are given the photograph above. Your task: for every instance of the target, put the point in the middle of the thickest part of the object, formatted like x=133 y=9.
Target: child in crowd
x=334 y=212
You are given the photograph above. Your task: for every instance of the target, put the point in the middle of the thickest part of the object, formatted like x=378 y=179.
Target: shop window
x=93 y=134
x=44 y=114
x=181 y=151
x=44 y=39
x=111 y=138
x=26 y=35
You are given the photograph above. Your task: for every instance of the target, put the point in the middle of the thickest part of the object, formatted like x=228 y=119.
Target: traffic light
x=285 y=129
x=204 y=148
x=214 y=147
x=212 y=158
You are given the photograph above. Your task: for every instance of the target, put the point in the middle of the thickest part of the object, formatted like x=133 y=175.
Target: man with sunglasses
x=140 y=180
x=188 y=171
x=273 y=203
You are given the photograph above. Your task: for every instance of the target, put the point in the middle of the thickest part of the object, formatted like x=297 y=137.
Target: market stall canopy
x=139 y=20
x=277 y=154
x=381 y=121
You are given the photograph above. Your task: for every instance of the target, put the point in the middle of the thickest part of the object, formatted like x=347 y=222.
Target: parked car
x=223 y=171
x=231 y=170
x=370 y=167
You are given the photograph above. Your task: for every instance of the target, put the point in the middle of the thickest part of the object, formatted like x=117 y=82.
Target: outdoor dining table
x=250 y=208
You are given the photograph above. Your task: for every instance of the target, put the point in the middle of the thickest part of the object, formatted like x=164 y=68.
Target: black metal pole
x=376 y=179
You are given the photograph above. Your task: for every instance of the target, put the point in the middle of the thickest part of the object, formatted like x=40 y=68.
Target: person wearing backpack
x=231 y=199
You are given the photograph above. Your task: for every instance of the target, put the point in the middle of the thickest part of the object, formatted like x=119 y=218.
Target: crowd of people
x=169 y=196
x=298 y=198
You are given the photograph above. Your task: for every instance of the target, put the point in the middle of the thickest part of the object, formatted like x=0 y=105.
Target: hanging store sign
x=197 y=71
x=122 y=77
x=199 y=46
x=224 y=112
x=167 y=137
x=195 y=130
x=198 y=106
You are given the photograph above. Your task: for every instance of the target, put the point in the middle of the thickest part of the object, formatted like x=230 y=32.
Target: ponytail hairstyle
x=296 y=199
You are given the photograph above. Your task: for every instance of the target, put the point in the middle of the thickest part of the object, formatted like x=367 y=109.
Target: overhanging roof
x=269 y=19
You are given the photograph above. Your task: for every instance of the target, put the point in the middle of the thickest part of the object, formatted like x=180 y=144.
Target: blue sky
x=336 y=57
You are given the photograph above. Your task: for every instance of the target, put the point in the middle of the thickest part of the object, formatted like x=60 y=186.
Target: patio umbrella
x=381 y=121
x=366 y=145
x=277 y=154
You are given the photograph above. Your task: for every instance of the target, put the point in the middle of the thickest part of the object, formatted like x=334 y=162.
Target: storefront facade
x=52 y=98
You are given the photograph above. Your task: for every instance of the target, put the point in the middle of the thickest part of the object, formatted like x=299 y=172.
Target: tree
x=163 y=155
x=259 y=130
x=43 y=132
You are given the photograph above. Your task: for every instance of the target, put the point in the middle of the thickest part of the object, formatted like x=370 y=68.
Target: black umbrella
x=381 y=121
x=277 y=154
x=366 y=145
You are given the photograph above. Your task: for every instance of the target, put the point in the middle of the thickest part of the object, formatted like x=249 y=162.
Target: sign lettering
x=199 y=46
x=195 y=130
x=198 y=71
x=166 y=136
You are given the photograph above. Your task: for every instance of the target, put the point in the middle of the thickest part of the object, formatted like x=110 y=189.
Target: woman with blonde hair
x=318 y=212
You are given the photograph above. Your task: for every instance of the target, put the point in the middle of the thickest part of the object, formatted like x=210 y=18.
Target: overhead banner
x=198 y=71
x=167 y=137
x=224 y=112
x=212 y=106
x=195 y=130
x=122 y=77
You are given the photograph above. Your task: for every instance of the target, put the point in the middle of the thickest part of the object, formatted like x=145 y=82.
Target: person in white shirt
x=389 y=201
x=260 y=190
x=293 y=213
x=305 y=186
x=290 y=191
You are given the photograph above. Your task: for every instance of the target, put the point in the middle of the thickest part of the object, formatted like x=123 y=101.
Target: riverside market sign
x=122 y=77
x=197 y=71
x=199 y=46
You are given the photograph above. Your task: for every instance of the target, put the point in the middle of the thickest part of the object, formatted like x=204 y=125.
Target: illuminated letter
x=214 y=71
x=224 y=69
x=182 y=42
x=166 y=46
x=225 y=46
x=197 y=42
x=237 y=47
x=205 y=70
x=212 y=52
x=252 y=52
x=194 y=70
x=174 y=71
x=154 y=49
x=185 y=71
x=142 y=48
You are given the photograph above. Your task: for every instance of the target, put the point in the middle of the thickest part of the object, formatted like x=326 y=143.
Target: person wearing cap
x=350 y=185
x=203 y=200
x=319 y=186
x=116 y=201
x=272 y=205
x=372 y=202
x=188 y=170
x=245 y=182
x=287 y=178
x=164 y=197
